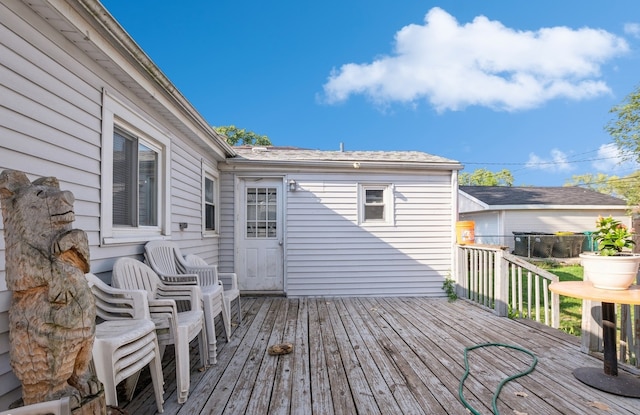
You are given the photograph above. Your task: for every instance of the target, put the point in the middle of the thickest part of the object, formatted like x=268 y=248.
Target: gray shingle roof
x=504 y=195
x=298 y=154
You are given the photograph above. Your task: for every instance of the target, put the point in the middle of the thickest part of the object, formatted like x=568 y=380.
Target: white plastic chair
x=166 y=259
x=172 y=327
x=58 y=407
x=125 y=341
x=207 y=272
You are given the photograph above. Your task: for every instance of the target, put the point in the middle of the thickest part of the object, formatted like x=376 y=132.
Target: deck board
x=381 y=355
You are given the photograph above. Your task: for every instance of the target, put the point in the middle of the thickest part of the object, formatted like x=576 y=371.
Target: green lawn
x=570 y=308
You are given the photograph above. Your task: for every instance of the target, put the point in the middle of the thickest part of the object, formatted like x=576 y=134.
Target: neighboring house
x=338 y=223
x=81 y=102
x=499 y=211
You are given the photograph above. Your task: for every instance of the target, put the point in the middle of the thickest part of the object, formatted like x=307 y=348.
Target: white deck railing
x=511 y=286
x=507 y=284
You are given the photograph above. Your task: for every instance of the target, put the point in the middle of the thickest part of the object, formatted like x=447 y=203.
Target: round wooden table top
x=586 y=291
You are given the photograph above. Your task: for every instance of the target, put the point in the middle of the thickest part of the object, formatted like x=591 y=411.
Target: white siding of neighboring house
x=329 y=254
x=487 y=227
x=50 y=107
x=541 y=220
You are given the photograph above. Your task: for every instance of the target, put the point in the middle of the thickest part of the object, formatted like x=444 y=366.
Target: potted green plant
x=613 y=266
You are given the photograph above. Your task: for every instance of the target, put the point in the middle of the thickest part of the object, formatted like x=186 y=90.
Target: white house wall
x=50 y=107
x=539 y=220
x=487 y=227
x=329 y=254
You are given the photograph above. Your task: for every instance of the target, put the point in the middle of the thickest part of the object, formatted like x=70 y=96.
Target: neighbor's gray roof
x=298 y=154
x=504 y=195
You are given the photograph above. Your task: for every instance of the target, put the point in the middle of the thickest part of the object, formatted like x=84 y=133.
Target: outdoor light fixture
x=292 y=185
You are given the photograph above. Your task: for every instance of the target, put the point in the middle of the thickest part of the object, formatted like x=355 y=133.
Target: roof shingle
x=505 y=195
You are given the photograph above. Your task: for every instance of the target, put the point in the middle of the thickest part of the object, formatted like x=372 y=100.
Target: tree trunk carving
x=52 y=314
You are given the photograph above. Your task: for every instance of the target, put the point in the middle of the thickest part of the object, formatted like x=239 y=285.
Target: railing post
x=501 y=299
x=460 y=270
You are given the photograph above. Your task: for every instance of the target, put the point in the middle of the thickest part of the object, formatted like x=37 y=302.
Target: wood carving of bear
x=52 y=314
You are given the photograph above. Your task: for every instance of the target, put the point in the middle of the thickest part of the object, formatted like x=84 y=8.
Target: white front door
x=259 y=235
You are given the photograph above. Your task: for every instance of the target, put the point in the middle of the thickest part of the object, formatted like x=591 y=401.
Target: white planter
x=610 y=272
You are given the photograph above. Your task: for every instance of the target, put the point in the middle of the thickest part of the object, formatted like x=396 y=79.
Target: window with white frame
x=135 y=181
x=210 y=202
x=376 y=204
x=135 y=175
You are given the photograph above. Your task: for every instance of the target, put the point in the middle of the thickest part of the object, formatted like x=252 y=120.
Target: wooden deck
x=383 y=356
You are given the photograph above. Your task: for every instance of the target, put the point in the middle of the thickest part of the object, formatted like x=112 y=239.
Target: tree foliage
x=627 y=187
x=484 y=177
x=599 y=182
x=239 y=136
x=625 y=128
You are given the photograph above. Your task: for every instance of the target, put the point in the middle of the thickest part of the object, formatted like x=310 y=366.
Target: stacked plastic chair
x=125 y=340
x=172 y=327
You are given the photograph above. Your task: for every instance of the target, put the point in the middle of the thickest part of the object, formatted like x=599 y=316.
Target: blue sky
x=502 y=84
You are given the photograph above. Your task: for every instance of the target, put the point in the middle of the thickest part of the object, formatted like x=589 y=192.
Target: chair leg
x=182 y=366
x=157 y=378
x=203 y=343
x=226 y=318
x=110 y=390
x=210 y=322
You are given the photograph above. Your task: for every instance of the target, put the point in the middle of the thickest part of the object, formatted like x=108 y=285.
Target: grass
x=570 y=308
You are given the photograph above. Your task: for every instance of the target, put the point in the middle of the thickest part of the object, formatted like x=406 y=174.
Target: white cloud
x=556 y=162
x=632 y=29
x=480 y=63
x=611 y=161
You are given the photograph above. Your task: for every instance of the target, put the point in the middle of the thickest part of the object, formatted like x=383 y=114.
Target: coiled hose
x=494 y=401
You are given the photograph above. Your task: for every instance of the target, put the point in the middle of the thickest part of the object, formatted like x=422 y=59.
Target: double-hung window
x=209 y=201
x=135 y=181
x=375 y=204
x=135 y=175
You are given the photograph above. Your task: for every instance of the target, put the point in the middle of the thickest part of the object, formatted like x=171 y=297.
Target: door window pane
x=261 y=212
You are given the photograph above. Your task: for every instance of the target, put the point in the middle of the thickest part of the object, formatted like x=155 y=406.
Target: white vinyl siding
x=51 y=111
x=329 y=254
x=497 y=227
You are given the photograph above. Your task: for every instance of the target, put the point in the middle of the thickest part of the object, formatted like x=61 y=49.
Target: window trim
x=116 y=113
x=211 y=173
x=388 y=200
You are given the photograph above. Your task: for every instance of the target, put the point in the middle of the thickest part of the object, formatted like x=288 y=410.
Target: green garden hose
x=508 y=379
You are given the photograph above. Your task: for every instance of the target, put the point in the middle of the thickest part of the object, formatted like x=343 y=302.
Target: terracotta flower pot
x=610 y=272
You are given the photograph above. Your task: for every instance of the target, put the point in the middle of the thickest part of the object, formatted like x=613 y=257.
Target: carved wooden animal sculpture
x=52 y=314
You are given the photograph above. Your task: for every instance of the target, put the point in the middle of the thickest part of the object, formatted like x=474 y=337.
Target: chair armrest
x=229 y=277
x=180 y=279
x=164 y=312
x=117 y=303
x=123 y=304
x=191 y=293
